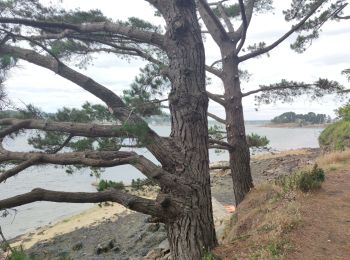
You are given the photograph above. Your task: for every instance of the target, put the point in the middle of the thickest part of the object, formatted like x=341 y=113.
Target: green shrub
x=303 y=180
x=255 y=140
x=311 y=180
x=18 y=254
x=138 y=184
x=211 y=256
x=336 y=136
x=104 y=185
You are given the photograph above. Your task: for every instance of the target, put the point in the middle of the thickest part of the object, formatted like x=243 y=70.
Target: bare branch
x=213 y=23
x=226 y=18
x=214 y=71
x=215 y=117
x=226 y=145
x=244 y=26
x=223 y=167
x=61 y=146
x=216 y=98
x=285 y=36
x=14 y=171
x=248 y=13
x=339 y=10
x=132 y=202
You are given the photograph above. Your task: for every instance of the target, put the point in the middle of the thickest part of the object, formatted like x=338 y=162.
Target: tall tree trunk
x=236 y=136
x=192 y=233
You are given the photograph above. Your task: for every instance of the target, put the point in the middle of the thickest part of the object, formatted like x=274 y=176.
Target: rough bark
x=184 y=203
x=192 y=234
x=239 y=155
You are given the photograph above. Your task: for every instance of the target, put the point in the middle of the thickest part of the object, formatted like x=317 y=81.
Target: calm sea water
x=34 y=215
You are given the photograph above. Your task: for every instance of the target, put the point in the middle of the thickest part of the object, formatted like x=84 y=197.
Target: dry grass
x=334 y=160
x=258 y=229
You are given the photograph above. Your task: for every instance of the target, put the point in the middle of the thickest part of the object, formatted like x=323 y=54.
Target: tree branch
x=273 y=88
x=226 y=18
x=212 y=23
x=132 y=202
x=14 y=171
x=96 y=159
x=76 y=129
x=226 y=145
x=339 y=10
x=215 y=117
x=214 y=71
x=115 y=28
x=285 y=36
x=158 y=146
x=216 y=98
x=244 y=26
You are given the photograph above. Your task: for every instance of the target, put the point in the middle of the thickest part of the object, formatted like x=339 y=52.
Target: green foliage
x=303 y=180
x=287 y=91
x=210 y=256
x=309 y=118
x=144 y=93
x=233 y=11
x=343 y=112
x=311 y=180
x=255 y=140
x=104 y=185
x=310 y=30
x=137 y=130
x=217 y=132
x=335 y=136
x=139 y=184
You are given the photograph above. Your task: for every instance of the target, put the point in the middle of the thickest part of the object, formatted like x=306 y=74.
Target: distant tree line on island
x=309 y=118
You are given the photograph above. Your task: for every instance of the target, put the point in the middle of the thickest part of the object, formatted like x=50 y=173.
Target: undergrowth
x=305 y=180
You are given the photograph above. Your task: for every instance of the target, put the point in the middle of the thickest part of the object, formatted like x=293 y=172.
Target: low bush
x=304 y=180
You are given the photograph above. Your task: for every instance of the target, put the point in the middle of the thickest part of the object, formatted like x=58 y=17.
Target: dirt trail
x=325 y=233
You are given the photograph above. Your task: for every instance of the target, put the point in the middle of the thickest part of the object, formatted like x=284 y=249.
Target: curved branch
x=132 y=202
x=158 y=146
x=14 y=171
x=97 y=159
x=115 y=28
x=284 y=37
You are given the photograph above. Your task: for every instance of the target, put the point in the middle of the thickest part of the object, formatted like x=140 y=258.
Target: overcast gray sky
x=327 y=57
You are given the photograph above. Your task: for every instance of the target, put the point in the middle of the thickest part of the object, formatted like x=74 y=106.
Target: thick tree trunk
x=236 y=136
x=191 y=234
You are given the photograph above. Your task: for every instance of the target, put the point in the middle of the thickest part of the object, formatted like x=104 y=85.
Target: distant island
x=291 y=119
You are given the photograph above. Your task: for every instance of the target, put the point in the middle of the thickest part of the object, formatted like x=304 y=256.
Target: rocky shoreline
x=129 y=235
